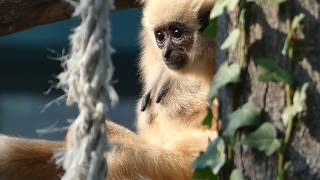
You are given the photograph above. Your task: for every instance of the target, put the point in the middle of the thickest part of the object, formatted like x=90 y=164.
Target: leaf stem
x=280 y=165
x=230 y=153
x=243 y=53
x=289 y=95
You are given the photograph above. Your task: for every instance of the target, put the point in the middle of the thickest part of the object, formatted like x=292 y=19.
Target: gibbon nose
x=175 y=60
x=167 y=53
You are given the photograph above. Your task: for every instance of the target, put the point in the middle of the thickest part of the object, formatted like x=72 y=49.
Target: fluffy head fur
x=158 y=13
x=185 y=101
x=185 y=11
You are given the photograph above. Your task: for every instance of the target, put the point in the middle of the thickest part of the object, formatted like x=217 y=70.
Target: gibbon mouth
x=175 y=63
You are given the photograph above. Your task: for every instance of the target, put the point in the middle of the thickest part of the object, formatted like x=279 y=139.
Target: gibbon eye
x=159 y=36
x=177 y=33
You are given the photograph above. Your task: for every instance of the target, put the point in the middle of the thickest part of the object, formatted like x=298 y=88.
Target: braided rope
x=87 y=82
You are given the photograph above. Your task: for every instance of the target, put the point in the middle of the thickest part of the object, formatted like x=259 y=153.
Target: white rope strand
x=87 y=82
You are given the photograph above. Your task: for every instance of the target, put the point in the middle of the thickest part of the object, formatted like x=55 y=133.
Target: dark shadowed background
x=28 y=69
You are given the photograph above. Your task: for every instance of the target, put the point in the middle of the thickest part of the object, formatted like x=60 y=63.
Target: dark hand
x=146 y=98
x=145 y=101
x=162 y=91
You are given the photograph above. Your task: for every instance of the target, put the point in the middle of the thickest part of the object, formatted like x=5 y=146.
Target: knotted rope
x=87 y=82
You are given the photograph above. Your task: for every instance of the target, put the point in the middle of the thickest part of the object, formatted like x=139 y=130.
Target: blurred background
x=28 y=68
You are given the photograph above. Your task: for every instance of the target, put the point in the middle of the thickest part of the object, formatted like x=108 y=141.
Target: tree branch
x=18 y=15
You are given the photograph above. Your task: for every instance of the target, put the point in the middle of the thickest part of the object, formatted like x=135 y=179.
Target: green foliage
x=221 y=5
x=279 y=1
x=296 y=21
x=232 y=40
x=298 y=105
x=226 y=74
x=294 y=26
x=237 y=175
x=214 y=157
x=204 y=174
x=281 y=174
x=274 y=1
x=286 y=46
x=268 y=70
x=211 y=30
x=208 y=119
x=247 y=115
x=263 y=139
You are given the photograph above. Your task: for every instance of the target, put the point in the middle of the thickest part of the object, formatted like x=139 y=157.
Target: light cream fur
x=162 y=149
x=180 y=134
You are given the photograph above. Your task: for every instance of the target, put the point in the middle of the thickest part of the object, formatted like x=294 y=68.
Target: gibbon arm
x=28 y=159
x=144 y=161
x=130 y=158
x=32 y=159
x=115 y=133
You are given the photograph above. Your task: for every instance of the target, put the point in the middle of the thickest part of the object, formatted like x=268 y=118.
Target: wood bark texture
x=17 y=15
x=266 y=32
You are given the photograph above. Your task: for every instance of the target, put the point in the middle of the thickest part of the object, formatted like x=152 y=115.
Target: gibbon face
x=176 y=28
x=175 y=40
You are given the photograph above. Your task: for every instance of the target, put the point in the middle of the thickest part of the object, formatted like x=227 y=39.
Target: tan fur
x=180 y=134
x=28 y=159
x=169 y=134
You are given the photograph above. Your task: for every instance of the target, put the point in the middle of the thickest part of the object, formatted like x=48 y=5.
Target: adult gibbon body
x=176 y=65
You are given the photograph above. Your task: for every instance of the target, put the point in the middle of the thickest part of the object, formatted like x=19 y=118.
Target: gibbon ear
x=203 y=19
x=204 y=14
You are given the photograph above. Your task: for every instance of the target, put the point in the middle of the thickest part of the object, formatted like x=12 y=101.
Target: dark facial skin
x=174 y=39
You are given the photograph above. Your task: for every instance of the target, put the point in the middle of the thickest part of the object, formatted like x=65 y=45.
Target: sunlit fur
x=169 y=134
x=179 y=133
x=28 y=159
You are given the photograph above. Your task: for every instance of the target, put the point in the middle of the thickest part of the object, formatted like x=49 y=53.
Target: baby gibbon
x=176 y=67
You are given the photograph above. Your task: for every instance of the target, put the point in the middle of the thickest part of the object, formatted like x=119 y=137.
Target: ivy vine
x=264 y=138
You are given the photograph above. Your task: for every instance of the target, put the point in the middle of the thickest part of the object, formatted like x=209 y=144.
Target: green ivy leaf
x=208 y=119
x=214 y=157
x=211 y=30
x=300 y=96
x=279 y=1
x=247 y=115
x=289 y=113
x=221 y=5
x=298 y=105
x=204 y=174
x=268 y=70
x=287 y=165
x=218 y=9
x=232 y=40
x=236 y=175
x=296 y=21
x=226 y=74
x=294 y=26
x=263 y=139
